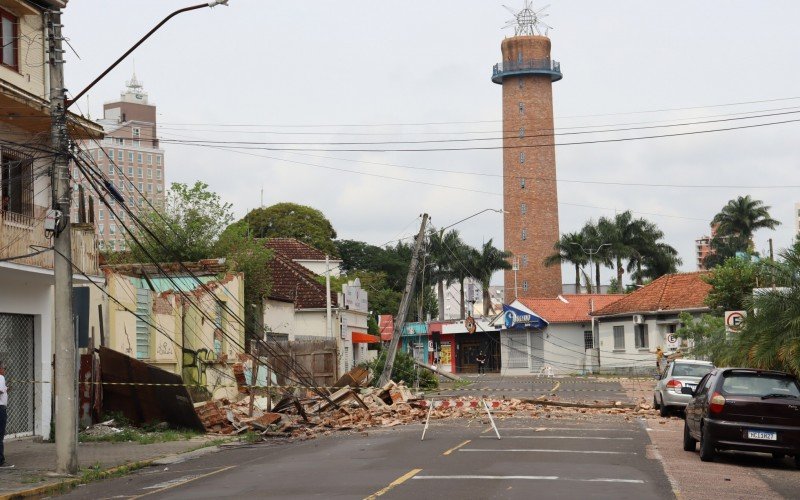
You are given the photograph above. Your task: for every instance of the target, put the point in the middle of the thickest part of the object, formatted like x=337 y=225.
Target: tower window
x=522 y=183
x=525 y=286
x=524 y=234
x=523 y=209
x=521 y=107
x=519 y=81
x=522 y=156
x=521 y=132
x=524 y=261
x=519 y=57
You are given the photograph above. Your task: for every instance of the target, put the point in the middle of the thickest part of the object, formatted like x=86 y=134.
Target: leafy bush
x=404 y=370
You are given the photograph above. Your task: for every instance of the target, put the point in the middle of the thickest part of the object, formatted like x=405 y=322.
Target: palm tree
x=742 y=217
x=595 y=240
x=485 y=262
x=650 y=258
x=569 y=249
x=462 y=266
x=443 y=262
x=622 y=234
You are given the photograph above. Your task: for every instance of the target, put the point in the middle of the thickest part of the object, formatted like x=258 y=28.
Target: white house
x=633 y=328
x=550 y=335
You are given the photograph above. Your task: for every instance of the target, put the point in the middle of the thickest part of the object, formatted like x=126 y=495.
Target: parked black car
x=744 y=409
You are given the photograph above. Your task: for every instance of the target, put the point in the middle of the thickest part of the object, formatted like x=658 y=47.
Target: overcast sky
x=307 y=71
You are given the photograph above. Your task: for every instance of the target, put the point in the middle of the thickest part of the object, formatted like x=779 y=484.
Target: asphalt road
x=566 y=388
x=604 y=457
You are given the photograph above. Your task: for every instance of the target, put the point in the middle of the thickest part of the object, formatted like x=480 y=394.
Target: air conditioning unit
x=638 y=319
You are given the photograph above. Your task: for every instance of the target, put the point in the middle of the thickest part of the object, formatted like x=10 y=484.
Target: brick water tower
x=530 y=194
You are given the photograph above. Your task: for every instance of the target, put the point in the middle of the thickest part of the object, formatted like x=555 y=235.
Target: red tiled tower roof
x=671 y=292
x=294 y=249
x=293 y=282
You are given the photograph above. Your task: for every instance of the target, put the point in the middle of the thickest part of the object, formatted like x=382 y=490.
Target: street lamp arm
x=498 y=210
x=212 y=3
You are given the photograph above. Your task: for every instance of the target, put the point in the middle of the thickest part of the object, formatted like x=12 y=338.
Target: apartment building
x=26 y=258
x=130 y=157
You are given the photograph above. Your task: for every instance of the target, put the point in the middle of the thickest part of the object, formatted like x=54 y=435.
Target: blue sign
x=514 y=318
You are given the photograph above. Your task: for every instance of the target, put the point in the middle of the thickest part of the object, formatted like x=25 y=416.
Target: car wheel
x=663 y=411
x=706 y=448
x=689 y=443
x=779 y=456
x=655 y=402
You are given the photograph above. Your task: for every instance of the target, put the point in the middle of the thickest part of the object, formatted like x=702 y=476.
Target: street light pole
x=64 y=340
x=591 y=253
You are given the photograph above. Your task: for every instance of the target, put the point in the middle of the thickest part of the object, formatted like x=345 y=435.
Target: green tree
x=290 y=220
x=442 y=262
x=706 y=337
x=486 y=262
x=732 y=283
x=742 y=217
x=404 y=369
x=186 y=229
x=595 y=241
x=249 y=256
x=770 y=337
x=569 y=249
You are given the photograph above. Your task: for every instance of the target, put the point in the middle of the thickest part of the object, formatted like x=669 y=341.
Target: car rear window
x=752 y=384
x=690 y=370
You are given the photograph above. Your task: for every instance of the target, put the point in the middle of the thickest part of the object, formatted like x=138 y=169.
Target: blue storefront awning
x=516 y=319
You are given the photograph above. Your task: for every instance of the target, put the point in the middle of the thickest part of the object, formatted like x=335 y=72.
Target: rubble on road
x=350 y=406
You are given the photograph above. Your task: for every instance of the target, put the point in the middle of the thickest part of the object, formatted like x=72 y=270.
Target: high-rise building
x=530 y=194
x=130 y=157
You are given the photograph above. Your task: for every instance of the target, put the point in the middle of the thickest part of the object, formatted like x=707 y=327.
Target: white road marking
x=171 y=482
x=564 y=437
x=566 y=429
x=537 y=478
x=529 y=450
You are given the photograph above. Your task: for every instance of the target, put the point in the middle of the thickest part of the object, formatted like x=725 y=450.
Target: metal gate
x=537 y=352
x=17 y=355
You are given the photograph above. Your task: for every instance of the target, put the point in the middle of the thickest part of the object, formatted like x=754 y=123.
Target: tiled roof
x=569 y=308
x=294 y=249
x=671 y=292
x=293 y=282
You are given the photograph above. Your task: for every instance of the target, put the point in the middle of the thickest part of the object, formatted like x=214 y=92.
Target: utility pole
x=328 y=324
x=66 y=352
x=399 y=323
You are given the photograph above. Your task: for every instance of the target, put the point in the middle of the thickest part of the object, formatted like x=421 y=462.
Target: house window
x=8 y=35
x=111 y=245
x=522 y=156
x=158 y=159
x=100 y=213
x=100 y=228
x=149 y=173
x=619 y=338
x=110 y=169
x=517 y=350
x=139 y=158
x=522 y=183
x=16 y=179
x=140 y=172
x=219 y=323
x=112 y=228
x=130 y=156
x=525 y=286
x=524 y=234
x=588 y=340
x=149 y=159
x=130 y=171
x=137 y=132
x=141 y=187
x=119 y=141
x=641 y=336
x=120 y=155
x=149 y=188
x=142 y=323
x=111 y=216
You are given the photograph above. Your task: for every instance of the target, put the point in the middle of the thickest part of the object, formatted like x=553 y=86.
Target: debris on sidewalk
x=102 y=429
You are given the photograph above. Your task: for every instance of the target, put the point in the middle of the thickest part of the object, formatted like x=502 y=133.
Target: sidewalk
x=34 y=460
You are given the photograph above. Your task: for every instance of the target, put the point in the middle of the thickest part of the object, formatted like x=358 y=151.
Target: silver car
x=679 y=373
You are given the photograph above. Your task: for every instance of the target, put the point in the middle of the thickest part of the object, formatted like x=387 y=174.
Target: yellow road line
x=555 y=387
x=183 y=482
x=400 y=480
x=454 y=448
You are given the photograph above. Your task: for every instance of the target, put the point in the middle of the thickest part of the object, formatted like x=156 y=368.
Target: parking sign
x=734 y=321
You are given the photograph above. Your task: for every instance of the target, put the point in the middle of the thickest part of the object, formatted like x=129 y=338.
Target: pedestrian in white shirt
x=3 y=414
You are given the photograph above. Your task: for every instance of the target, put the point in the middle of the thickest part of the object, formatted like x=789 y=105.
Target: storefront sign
x=514 y=318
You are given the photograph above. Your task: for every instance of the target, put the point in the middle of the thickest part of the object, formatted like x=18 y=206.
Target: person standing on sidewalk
x=481 y=359
x=3 y=413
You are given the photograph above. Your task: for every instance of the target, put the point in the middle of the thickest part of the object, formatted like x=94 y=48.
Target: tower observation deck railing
x=529 y=67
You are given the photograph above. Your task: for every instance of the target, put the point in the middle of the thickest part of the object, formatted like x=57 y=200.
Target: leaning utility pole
x=66 y=389
x=399 y=323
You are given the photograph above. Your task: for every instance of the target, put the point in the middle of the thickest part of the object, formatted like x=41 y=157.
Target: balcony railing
x=23 y=235
x=529 y=67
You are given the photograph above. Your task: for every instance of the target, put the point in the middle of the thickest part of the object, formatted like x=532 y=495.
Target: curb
x=71 y=482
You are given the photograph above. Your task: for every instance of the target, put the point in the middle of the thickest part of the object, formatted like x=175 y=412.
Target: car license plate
x=691 y=386
x=762 y=435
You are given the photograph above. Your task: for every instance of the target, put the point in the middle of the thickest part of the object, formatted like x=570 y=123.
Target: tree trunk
x=577 y=279
x=440 y=294
x=487 y=300
x=597 y=274
x=638 y=272
x=462 y=305
x=620 y=271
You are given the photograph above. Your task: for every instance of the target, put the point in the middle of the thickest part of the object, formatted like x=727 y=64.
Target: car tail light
x=674 y=385
x=717 y=403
